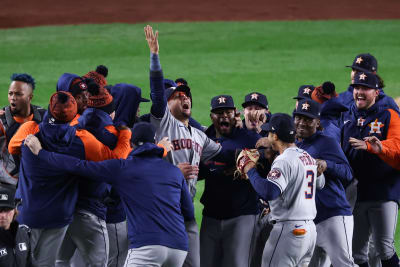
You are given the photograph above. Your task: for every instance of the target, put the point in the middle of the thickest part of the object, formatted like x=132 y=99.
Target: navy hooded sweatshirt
x=331 y=112
x=154 y=193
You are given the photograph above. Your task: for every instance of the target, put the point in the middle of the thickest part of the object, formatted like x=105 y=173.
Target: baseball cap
x=181 y=88
x=63 y=106
x=282 y=125
x=305 y=91
x=7 y=196
x=365 y=62
x=308 y=108
x=169 y=83
x=221 y=101
x=366 y=79
x=143 y=132
x=255 y=98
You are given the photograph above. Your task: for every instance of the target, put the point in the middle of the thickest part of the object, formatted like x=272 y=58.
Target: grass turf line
x=216 y=58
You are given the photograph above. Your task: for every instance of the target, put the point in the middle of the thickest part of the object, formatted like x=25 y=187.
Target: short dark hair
x=23 y=77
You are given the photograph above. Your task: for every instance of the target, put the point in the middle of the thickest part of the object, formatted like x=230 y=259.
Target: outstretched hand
x=152 y=39
x=33 y=143
x=375 y=144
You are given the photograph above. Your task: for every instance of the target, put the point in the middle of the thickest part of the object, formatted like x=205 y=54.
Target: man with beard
x=256 y=112
x=230 y=205
x=20 y=110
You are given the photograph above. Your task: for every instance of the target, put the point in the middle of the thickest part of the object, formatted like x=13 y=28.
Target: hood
x=56 y=137
x=127 y=99
x=333 y=108
x=147 y=149
x=64 y=82
x=94 y=118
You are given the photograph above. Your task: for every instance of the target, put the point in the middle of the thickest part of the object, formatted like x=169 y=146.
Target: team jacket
x=225 y=197
x=331 y=111
x=9 y=124
x=15 y=246
x=154 y=193
x=330 y=200
x=377 y=179
x=48 y=195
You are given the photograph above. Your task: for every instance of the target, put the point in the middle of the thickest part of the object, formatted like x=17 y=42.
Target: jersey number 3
x=310 y=179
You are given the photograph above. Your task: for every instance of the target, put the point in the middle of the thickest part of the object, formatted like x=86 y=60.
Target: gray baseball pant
x=284 y=248
x=334 y=236
x=45 y=244
x=118 y=238
x=261 y=233
x=378 y=219
x=88 y=234
x=193 y=255
x=155 y=256
x=226 y=243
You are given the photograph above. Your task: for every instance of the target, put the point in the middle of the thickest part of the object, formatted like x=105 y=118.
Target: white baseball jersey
x=295 y=173
x=189 y=144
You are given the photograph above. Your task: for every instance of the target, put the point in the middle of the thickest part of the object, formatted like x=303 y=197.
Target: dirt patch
x=26 y=13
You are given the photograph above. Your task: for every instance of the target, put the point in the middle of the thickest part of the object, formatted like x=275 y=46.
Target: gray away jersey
x=189 y=145
x=295 y=173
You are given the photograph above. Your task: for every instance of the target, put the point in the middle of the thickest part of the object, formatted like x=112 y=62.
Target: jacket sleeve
x=336 y=161
x=30 y=127
x=264 y=188
x=101 y=171
x=157 y=90
x=97 y=151
x=186 y=202
x=391 y=145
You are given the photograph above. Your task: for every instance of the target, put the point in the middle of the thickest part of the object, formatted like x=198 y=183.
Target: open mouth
x=224 y=125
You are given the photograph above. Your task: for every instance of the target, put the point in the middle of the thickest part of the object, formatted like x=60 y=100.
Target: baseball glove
x=245 y=157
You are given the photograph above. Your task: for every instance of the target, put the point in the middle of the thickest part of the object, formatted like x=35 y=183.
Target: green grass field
x=216 y=58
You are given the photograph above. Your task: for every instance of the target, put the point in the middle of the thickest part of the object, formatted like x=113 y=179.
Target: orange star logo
x=254 y=96
x=363 y=76
x=359 y=60
x=221 y=100
x=376 y=127
x=305 y=106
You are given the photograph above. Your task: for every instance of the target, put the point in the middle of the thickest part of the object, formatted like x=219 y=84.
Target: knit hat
x=324 y=92
x=99 y=75
x=100 y=98
x=63 y=106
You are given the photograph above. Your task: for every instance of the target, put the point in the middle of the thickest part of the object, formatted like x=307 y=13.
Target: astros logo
x=376 y=127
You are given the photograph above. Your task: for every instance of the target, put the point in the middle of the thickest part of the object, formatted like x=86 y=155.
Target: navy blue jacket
x=330 y=200
x=225 y=197
x=331 y=111
x=48 y=194
x=154 y=193
x=377 y=181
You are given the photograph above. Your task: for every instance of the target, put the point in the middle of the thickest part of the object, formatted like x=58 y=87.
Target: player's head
x=62 y=107
x=20 y=93
x=100 y=98
x=280 y=130
x=324 y=92
x=223 y=114
x=366 y=89
x=252 y=102
x=181 y=81
x=363 y=63
x=75 y=85
x=8 y=211
x=180 y=102
x=307 y=118
x=305 y=91
x=143 y=132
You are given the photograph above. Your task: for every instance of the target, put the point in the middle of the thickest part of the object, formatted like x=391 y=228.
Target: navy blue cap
x=365 y=62
x=282 y=125
x=7 y=194
x=255 y=98
x=180 y=88
x=169 y=83
x=305 y=91
x=222 y=101
x=143 y=132
x=366 y=79
x=308 y=108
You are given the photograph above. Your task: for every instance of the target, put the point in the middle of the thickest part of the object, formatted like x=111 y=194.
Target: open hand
x=33 y=143
x=152 y=39
x=376 y=144
x=166 y=144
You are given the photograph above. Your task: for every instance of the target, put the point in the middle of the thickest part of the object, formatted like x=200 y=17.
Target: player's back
x=295 y=172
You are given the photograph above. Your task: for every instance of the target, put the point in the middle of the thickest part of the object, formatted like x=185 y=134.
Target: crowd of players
x=79 y=188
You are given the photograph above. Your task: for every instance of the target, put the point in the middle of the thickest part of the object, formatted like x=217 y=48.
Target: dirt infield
x=26 y=13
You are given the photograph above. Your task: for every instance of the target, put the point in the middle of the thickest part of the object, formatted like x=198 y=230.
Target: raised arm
x=157 y=90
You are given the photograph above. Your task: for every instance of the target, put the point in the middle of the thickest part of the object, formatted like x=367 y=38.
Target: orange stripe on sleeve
x=165 y=150
x=112 y=129
x=30 y=127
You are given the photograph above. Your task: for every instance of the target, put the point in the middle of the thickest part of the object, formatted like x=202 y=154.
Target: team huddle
x=90 y=182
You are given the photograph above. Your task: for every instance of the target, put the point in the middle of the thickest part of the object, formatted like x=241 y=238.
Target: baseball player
x=170 y=113
x=378 y=189
x=256 y=111
x=334 y=220
x=290 y=189
x=230 y=205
